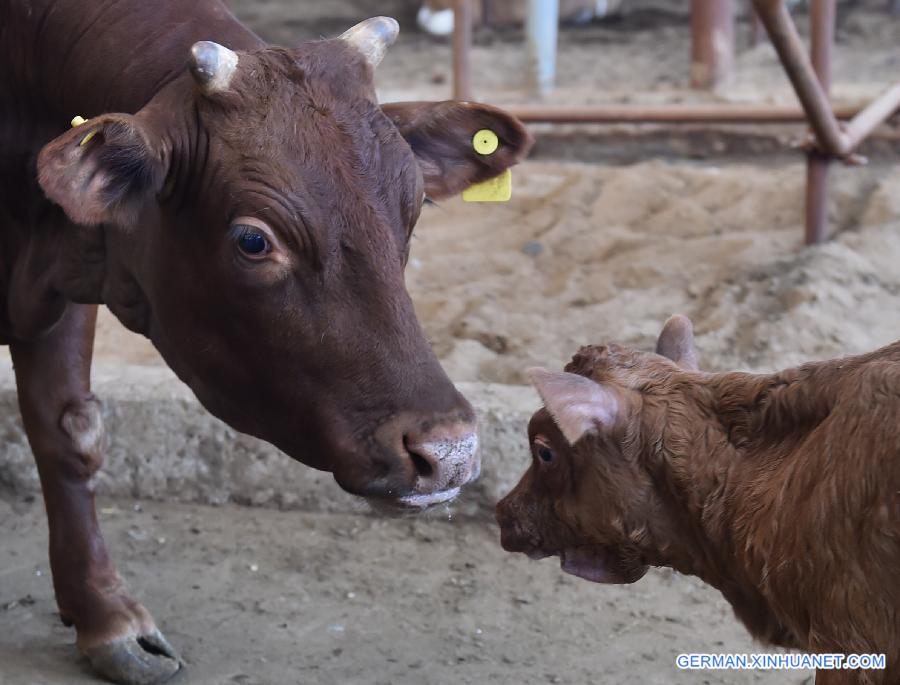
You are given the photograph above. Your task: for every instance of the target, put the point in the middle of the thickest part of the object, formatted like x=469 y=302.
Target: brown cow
x=780 y=490
x=248 y=208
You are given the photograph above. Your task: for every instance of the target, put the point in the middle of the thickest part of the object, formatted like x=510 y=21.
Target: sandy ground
x=588 y=254
x=256 y=597
x=584 y=253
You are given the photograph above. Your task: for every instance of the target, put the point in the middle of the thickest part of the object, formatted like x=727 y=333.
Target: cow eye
x=545 y=454
x=252 y=242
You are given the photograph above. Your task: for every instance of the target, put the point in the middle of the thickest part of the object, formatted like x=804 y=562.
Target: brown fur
x=312 y=344
x=780 y=490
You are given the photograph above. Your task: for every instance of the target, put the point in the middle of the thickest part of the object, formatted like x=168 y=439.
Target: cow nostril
x=424 y=468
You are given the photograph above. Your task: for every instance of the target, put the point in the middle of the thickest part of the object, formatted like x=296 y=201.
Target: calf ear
x=102 y=171
x=676 y=341
x=577 y=404
x=441 y=136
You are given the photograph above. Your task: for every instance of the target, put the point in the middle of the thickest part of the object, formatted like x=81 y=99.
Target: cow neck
x=698 y=462
x=699 y=474
x=679 y=464
x=733 y=434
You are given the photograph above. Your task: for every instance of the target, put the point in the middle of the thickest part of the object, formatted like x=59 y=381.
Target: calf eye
x=545 y=453
x=252 y=242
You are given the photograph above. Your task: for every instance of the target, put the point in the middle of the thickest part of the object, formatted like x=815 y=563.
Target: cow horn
x=212 y=65
x=373 y=37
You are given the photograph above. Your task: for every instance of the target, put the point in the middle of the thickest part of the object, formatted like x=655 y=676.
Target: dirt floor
x=584 y=253
x=257 y=597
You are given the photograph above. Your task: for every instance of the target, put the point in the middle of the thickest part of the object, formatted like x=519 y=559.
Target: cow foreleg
x=65 y=428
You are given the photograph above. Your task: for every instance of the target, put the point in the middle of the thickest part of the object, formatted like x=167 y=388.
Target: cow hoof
x=142 y=660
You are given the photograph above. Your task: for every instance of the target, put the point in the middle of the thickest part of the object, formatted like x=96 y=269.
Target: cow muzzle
x=445 y=459
x=431 y=460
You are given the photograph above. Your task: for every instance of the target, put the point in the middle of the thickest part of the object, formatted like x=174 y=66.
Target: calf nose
x=514 y=534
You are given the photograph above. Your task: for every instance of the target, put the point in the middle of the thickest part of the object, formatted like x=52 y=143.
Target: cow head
x=253 y=220
x=589 y=494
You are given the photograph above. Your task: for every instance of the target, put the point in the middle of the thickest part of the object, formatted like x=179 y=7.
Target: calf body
x=246 y=207
x=780 y=490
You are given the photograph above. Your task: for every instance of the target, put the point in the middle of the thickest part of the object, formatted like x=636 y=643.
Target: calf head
x=254 y=221
x=590 y=494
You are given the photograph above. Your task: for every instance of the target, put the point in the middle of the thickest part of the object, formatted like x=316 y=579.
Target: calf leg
x=64 y=426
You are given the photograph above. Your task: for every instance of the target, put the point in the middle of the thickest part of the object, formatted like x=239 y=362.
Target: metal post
x=542 y=26
x=818 y=164
x=712 y=42
x=872 y=116
x=800 y=70
x=462 y=50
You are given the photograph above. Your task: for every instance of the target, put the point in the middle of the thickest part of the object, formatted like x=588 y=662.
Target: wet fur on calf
x=781 y=490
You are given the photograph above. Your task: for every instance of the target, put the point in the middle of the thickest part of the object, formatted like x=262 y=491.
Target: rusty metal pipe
x=870 y=118
x=462 y=50
x=817 y=184
x=818 y=166
x=799 y=68
x=712 y=42
x=667 y=114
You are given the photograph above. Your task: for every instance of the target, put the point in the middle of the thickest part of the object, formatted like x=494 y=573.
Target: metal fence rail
x=713 y=35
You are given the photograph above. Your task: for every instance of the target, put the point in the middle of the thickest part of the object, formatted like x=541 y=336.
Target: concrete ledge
x=164 y=446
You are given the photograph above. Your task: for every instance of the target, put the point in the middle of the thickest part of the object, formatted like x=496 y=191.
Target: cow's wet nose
x=444 y=458
x=440 y=458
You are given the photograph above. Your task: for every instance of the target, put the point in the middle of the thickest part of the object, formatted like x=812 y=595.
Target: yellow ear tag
x=485 y=142
x=497 y=189
x=78 y=121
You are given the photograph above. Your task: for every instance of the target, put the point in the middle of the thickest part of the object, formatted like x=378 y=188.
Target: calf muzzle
x=515 y=534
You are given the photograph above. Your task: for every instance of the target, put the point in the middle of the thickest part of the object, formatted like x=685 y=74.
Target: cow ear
x=676 y=342
x=102 y=171
x=441 y=135
x=577 y=404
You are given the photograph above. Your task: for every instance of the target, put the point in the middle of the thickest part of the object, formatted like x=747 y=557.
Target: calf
x=249 y=209
x=780 y=490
